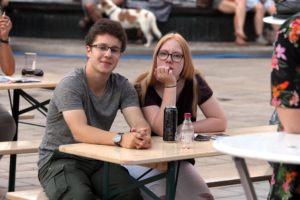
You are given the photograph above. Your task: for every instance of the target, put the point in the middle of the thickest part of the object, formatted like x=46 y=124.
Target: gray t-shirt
x=73 y=93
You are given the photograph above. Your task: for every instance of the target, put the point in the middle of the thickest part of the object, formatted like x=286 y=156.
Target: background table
x=271 y=146
x=273 y=20
x=48 y=81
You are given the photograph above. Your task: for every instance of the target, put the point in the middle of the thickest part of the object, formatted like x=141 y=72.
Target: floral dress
x=285 y=83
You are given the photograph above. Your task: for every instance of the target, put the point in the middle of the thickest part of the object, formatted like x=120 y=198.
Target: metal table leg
x=245 y=178
x=13 y=158
x=171 y=180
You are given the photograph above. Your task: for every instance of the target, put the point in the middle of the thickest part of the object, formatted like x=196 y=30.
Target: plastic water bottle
x=187 y=132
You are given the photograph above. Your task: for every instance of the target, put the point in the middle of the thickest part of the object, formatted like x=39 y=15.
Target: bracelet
x=4 y=41
x=172 y=86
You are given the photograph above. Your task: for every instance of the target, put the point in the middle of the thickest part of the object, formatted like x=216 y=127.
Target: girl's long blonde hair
x=147 y=79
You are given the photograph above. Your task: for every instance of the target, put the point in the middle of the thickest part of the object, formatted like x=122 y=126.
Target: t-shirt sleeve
x=67 y=95
x=151 y=98
x=129 y=95
x=205 y=92
x=285 y=75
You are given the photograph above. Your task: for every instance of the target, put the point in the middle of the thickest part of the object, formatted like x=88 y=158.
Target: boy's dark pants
x=75 y=178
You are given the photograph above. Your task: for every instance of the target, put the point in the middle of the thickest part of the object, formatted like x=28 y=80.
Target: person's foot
x=84 y=22
x=240 y=35
x=240 y=41
x=261 y=40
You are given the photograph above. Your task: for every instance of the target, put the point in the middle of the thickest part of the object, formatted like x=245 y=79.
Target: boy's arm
x=138 y=125
x=82 y=132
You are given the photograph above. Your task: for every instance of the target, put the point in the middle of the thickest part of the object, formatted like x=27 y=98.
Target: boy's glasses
x=175 y=57
x=104 y=48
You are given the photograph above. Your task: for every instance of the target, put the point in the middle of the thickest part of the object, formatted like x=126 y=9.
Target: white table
x=273 y=20
x=271 y=146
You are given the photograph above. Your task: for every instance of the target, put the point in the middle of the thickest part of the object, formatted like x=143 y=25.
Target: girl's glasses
x=175 y=57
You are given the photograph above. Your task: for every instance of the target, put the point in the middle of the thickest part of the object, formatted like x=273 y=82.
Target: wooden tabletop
x=47 y=81
x=160 y=152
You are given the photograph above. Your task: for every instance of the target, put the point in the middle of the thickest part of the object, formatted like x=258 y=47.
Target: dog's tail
x=154 y=27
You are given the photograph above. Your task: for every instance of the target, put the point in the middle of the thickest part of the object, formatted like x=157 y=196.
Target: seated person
x=259 y=9
x=238 y=8
x=172 y=80
x=7 y=64
x=82 y=109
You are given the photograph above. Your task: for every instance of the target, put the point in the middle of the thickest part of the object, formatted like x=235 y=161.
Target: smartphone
x=215 y=136
x=201 y=137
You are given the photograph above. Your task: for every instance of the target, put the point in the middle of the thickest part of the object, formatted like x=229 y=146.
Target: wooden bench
x=19 y=147
x=34 y=194
x=214 y=178
x=227 y=174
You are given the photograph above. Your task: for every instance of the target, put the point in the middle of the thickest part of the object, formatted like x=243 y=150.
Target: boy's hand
x=136 y=139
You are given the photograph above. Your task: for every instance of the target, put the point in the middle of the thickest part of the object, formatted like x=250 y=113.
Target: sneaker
x=261 y=40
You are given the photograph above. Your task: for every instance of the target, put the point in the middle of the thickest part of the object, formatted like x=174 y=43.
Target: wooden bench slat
x=19 y=147
x=35 y=194
x=221 y=175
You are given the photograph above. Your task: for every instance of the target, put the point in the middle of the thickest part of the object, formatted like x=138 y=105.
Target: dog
x=132 y=18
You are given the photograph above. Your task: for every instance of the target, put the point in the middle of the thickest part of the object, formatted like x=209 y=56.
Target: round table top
x=272 y=146
x=273 y=20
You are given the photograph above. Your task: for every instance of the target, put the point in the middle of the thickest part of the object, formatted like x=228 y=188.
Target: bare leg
x=92 y=11
x=239 y=18
x=238 y=7
x=118 y=2
x=258 y=19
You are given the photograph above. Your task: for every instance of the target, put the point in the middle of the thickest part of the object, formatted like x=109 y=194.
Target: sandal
x=240 y=41
x=240 y=35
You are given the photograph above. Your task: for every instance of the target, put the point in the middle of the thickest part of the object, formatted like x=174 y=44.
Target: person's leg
x=118 y=2
x=7 y=125
x=239 y=21
x=118 y=178
x=68 y=179
x=270 y=33
x=258 y=18
x=189 y=183
x=157 y=187
x=238 y=8
x=92 y=11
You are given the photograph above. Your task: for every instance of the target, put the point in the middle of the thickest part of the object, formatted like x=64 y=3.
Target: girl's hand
x=5 y=27
x=164 y=74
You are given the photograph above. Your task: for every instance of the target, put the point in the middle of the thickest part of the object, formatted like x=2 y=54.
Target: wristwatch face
x=117 y=138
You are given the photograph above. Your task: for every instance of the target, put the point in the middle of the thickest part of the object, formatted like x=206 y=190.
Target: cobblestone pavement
x=241 y=85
